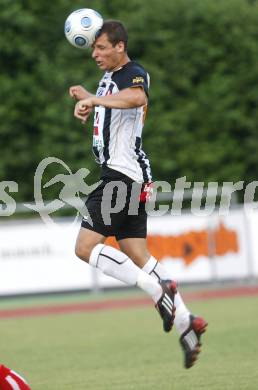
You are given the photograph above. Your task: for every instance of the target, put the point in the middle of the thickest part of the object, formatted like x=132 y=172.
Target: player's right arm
x=78 y=92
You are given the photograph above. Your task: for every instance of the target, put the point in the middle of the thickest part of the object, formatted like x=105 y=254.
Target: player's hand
x=78 y=92
x=85 y=104
x=82 y=113
x=83 y=118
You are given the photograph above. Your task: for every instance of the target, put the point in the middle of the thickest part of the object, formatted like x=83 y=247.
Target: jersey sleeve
x=135 y=76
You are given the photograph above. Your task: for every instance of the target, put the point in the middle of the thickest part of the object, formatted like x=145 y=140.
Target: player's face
x=107 y=57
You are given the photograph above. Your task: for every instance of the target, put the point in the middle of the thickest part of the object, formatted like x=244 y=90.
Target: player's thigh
x=136 y=249
x=86 y=241
x=94 y=220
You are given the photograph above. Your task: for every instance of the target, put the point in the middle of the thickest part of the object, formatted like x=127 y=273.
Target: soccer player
x=120 y=106
x=10 y=380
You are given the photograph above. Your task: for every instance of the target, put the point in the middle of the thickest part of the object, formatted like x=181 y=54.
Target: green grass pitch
x=127 y=349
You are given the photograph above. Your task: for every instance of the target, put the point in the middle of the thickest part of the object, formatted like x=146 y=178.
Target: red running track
x=34 y=311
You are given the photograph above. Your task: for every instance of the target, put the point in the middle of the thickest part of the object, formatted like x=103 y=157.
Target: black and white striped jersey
x=117 y=134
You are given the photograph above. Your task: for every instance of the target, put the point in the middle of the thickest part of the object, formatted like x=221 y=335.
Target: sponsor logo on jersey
x=138 y=80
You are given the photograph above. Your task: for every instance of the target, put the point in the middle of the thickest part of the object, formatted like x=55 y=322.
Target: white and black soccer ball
x=81 y=27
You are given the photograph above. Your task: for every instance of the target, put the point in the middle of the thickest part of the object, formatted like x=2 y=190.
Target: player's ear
x=120 y=47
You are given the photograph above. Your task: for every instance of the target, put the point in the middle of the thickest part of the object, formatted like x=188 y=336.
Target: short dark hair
x=115 y=31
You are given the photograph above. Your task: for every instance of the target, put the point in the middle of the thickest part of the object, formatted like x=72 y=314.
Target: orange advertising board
x=192 y=244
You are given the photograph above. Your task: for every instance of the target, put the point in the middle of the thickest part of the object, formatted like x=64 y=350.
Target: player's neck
x=121 y=63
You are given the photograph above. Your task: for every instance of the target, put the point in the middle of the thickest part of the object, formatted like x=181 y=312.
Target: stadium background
x=202 y=123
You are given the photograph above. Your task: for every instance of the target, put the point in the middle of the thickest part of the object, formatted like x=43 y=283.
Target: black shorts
x=102 y=209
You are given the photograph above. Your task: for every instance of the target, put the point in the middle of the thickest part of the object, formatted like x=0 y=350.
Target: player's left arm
x=126 y=98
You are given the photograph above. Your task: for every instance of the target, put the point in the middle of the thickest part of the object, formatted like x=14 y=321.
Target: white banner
x=35 y=257
x=251 y=226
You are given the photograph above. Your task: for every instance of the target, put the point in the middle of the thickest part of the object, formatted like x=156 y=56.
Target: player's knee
x=83 y=251
x=139 y=257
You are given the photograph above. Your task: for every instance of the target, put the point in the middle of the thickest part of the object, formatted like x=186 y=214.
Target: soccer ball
x=81 y=27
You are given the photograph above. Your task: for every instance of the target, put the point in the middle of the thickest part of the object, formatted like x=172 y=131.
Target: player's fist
x=10 y=380
x=82 y=112
x=78 y=92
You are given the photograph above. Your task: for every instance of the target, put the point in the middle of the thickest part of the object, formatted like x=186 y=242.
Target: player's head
x=115 y=31
x=110 y=46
